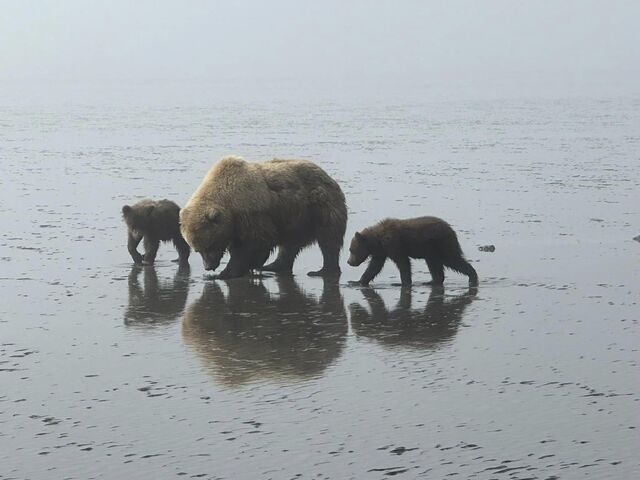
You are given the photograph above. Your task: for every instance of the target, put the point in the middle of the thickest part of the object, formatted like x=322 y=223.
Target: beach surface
x=109 y=370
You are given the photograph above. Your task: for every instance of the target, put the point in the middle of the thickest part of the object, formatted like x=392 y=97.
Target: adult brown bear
x=250 y=208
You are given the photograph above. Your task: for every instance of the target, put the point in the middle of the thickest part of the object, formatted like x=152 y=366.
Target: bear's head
x=358 y=250
x=208 y=231
x=138 y=216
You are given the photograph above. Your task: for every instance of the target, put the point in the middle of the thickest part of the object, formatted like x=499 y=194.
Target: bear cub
x=155 y=221
x=430 y=238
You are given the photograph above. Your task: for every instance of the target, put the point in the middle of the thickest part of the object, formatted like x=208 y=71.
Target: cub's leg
x=132 y=245
x=436 y=269
x=404 y=265
x=373 y=269
x=151 y=246
x=183 y=249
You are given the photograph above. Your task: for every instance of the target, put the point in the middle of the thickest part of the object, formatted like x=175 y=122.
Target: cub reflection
x=158 y=303
x=407 y=327
x=250 y=334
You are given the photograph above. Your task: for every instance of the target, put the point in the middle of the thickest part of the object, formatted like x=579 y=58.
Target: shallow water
x=114 y=371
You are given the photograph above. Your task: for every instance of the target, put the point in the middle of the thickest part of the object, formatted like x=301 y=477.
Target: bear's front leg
x=330 y=248
x=257 y=258
x=404 y=265
x=238 y=265
x=132 y=245
x=283 y=263
x=373 y=269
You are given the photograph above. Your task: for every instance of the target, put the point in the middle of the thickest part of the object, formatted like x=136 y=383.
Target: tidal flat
x=110 y=370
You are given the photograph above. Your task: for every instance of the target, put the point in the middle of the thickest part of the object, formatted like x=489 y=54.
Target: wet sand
x=108 y=370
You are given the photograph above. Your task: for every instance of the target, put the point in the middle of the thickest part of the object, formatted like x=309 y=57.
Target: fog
x=497 y=47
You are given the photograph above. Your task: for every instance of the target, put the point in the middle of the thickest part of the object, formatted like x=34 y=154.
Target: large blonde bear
x=250 y=208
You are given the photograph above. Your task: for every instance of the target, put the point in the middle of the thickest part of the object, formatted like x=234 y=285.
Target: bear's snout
x=352 y=262
x=210 y=264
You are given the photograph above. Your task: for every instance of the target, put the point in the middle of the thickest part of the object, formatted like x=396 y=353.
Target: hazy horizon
x=486 y=49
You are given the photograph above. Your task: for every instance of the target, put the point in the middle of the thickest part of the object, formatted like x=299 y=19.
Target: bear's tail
x=460 y=265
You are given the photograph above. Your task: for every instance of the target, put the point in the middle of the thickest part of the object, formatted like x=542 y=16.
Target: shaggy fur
x=156 y=221
x=250 y=208
x=429 y=238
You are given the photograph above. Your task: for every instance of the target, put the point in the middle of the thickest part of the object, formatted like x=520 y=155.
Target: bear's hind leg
x=436 y=269
x=151 y=246
x=284 y=261
x=404 y=265
x=330 y=249
x=329 y=232
x=462 y=266
x=183 y=249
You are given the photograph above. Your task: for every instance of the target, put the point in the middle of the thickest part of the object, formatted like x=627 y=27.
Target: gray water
x=113 y=371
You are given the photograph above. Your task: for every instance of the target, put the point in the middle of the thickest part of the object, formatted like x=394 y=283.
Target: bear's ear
x=147 y=210
x=126 y=210
x=213 y=215
x=359 y=237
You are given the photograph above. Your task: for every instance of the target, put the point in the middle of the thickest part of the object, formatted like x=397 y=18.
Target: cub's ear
x=126 y=210
x=359 y=237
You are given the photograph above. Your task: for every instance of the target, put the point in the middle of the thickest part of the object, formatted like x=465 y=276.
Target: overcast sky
x=347 y=40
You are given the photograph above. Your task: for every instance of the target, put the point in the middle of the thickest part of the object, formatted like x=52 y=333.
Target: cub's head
x=359 y=250
x=137 y=217
x=208 y=231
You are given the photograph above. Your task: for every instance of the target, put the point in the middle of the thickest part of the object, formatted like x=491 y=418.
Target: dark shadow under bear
x=407 y=327
x=429 y=238
x=252 y=333
x=156 y=221
x=158 y=302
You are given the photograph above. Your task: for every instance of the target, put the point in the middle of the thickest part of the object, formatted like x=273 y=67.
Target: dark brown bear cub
x=424 y=237
x=155 y=221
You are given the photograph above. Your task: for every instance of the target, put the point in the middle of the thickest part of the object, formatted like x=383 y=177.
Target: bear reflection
x=405 y=326
x=158 y=303
x=250 y=334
